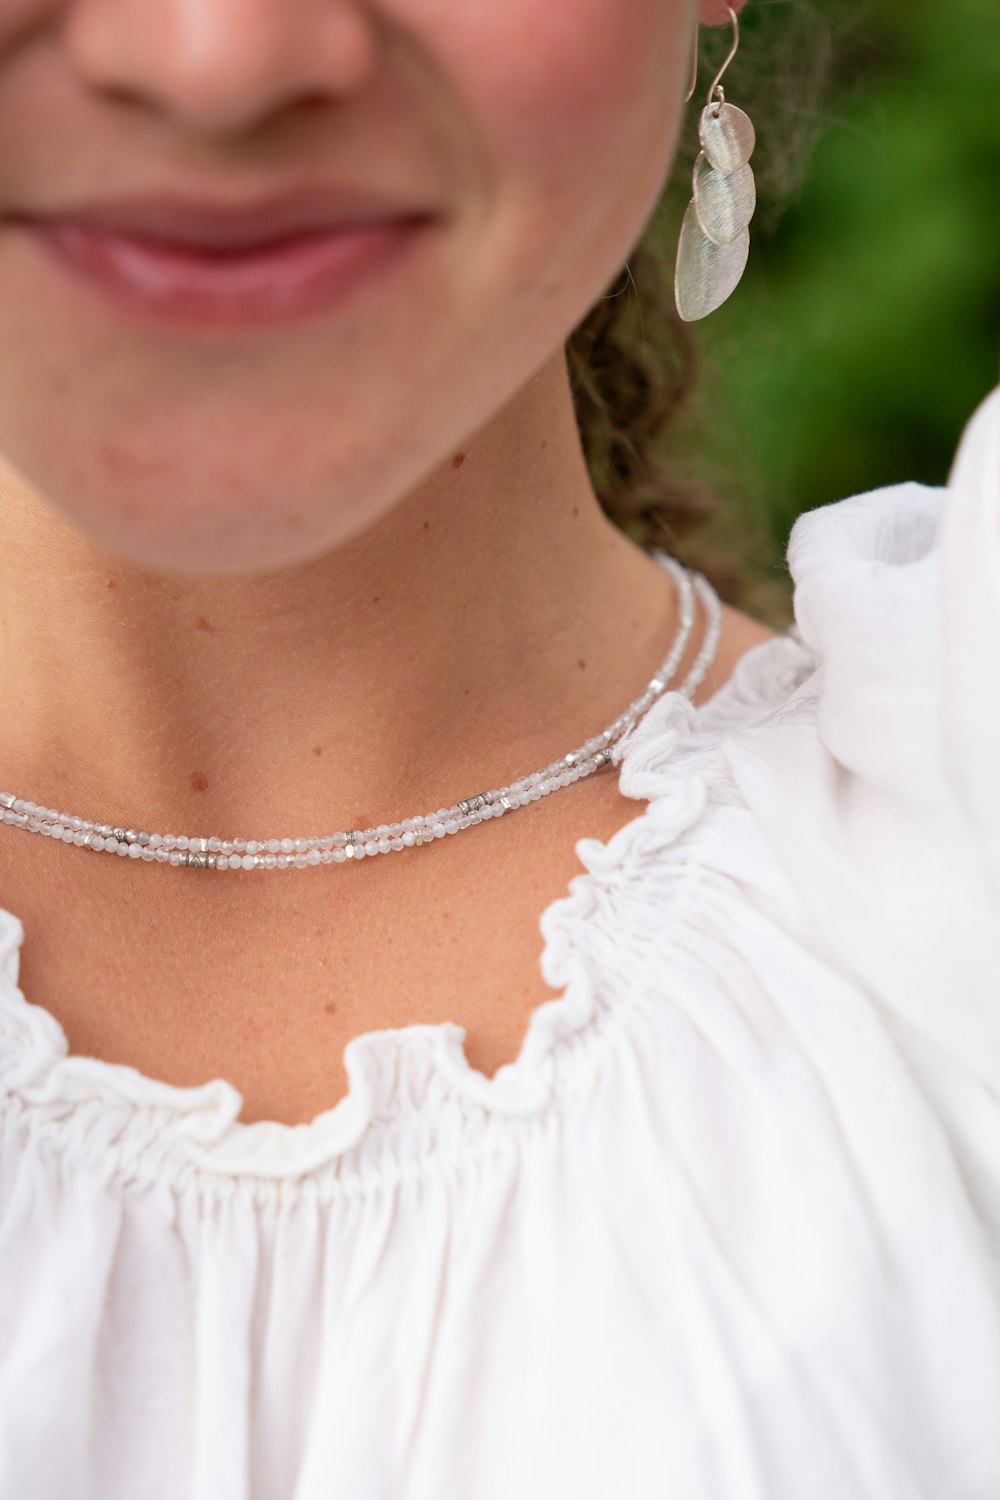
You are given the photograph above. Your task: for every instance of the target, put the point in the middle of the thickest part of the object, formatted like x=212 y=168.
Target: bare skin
x=262 y=981
x=331 y=575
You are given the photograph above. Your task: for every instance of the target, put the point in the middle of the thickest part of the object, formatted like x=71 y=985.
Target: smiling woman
x=318 y=1179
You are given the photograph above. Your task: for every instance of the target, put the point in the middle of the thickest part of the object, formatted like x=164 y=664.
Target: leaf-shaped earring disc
x=725 y=200
x=706 y=273
x=727 y=136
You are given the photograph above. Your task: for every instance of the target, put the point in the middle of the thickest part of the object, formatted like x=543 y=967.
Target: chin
x=194 y=547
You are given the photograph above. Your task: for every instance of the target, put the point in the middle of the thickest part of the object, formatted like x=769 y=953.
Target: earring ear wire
x=716 y=89
x=715 y=237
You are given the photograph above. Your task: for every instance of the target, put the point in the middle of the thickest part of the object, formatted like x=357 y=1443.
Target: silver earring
x=715 y=236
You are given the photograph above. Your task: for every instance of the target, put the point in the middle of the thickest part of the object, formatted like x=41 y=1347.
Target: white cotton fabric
x=728 y=1228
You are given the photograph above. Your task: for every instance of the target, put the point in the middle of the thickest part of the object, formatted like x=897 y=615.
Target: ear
x=716 y=12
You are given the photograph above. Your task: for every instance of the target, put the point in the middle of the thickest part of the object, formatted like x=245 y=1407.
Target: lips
x=206 y=265
x=199 y=223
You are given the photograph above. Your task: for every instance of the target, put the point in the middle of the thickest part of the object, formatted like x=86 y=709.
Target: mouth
x=214 y=279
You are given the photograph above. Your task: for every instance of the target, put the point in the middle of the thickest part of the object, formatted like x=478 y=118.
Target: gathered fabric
x=728 y=1228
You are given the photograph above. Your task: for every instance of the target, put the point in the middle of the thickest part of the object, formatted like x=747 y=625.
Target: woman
x=703 y=1199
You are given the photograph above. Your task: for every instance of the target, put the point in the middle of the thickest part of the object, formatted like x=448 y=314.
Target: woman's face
x=536 y=134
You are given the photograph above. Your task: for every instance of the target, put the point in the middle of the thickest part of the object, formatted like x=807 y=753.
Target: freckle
x=377 y=598
x=112 y=583
x=317 y=749
x=458 y=460
x=204 y=624
x=427 y=525
x=576 y=510
x=199 y=781
x=545 y=442
x=330 y=1008
x=582 y=665
x=465 y=692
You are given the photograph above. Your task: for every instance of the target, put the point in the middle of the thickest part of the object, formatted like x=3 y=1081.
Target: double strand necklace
x=185 y=851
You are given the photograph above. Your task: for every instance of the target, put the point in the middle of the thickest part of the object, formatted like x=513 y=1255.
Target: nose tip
x=217 y=67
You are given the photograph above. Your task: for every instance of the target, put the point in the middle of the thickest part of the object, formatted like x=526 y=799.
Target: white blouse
x=729 y=1226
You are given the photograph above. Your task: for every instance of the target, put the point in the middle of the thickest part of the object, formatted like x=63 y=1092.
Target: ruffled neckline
x=406 y=1076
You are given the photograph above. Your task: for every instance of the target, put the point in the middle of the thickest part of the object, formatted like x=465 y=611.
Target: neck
x=492 y=620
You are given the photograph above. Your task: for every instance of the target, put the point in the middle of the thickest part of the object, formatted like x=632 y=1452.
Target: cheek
x=575 y=109
x=563 y=90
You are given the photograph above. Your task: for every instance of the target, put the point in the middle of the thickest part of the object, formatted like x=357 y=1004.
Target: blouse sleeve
x=885 y=809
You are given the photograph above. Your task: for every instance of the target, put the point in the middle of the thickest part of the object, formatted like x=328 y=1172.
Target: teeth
x=152 y=267
x=137 y=266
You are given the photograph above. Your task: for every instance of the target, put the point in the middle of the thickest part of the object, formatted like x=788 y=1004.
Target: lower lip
x=180 y=287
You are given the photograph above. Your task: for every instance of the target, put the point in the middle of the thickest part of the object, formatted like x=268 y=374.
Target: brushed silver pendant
x=725 y=200
x=707 y=272
x=727 y=136
x=715 y=237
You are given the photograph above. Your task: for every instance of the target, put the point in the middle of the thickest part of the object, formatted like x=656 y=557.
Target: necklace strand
x=354 y=844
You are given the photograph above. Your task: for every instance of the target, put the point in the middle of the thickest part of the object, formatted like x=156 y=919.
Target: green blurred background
x=867 y=326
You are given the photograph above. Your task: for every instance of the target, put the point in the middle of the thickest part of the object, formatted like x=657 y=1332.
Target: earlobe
x=716 y=12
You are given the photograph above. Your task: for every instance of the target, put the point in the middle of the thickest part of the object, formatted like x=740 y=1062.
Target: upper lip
x=199 y=222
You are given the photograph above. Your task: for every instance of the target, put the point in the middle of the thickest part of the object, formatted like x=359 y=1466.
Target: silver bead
x=197 y=861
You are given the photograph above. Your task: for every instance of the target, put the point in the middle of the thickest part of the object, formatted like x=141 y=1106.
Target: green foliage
x=867 y=327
